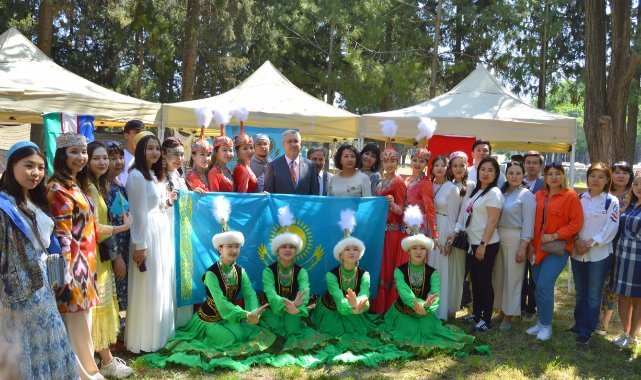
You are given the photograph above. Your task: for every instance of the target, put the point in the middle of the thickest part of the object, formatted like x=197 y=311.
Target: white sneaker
x=534 y=329
x=116 y=368
x=545 y=332
x=619 y=338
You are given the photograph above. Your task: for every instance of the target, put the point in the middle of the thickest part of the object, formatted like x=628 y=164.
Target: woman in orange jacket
x=559 y=217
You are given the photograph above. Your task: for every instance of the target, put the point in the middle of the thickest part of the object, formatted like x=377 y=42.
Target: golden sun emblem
x=306 y=258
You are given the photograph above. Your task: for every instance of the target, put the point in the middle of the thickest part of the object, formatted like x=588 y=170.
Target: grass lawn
x=515 y=355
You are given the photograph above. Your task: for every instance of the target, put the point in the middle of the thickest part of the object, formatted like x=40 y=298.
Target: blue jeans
x=545 y=275
x=589 y=277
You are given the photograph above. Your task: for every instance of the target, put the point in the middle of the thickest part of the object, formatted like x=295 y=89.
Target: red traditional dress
x=195 y=181
x=393 y=254
x=421 y=193
x=219 y=181
x=244 y=179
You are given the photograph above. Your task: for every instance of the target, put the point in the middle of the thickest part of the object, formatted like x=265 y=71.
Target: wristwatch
x=482 y=242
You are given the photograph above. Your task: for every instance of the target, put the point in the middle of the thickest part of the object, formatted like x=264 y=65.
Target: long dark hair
x=494 y=183
x=377 y=153
x=436 y=159
x=450 y=176
x=140 y=160
x=86 y=176
x=172 y=142
x=622 y=165
x=9 y=184
x=61 y=171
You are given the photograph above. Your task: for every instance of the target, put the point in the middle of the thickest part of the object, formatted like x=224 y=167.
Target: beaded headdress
x=68 y=139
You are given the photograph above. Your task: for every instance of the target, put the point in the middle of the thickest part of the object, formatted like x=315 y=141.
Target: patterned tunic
x=421 y=193
x=195 y=181
x=122 y=240
x=75 y=228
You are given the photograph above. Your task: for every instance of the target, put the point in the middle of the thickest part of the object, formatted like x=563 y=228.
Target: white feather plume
x=222 y=209
x=389 y=128
x=347 y=220
x=221 y=117
x=426 y=128
x=241 y=114
x=413 y=216
x=204 y=116
x=285 y=216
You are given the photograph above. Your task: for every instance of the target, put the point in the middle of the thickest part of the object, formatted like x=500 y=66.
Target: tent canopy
x=273 y=102
x=32 y=84
x=480 y=106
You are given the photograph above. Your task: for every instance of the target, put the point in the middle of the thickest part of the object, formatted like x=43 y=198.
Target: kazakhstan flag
x=256 y=216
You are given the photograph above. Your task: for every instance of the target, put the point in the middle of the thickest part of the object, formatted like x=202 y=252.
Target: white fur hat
x=413 y=218
x=344 y=243
x=347 y=223
x=286 y=219
x=222 y=209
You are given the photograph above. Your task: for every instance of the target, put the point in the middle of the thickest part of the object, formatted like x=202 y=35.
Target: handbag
x=460 y=239
x=555 y=247
x=106 y=248
x=55 y=263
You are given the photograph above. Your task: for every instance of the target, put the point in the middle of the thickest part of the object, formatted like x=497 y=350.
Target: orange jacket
x=564 y=216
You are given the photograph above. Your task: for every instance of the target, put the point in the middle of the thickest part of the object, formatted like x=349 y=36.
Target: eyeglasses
x=113 y=145
x=554 y=164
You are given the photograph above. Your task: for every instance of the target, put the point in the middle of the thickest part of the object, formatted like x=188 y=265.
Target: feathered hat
x=204 y=117
x=286 y=219
x=241 y=114
x=426 y=129
x=347 y=223
x=413 y=218
x=222 y=118
x=222 y=209
x=389 y=128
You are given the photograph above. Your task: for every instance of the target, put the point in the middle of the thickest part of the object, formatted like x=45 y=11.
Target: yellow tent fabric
x=480 y=106
x=32 y=84
x=273 y=102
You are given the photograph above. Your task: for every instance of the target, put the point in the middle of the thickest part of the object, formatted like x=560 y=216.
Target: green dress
x=354 y=334
x=280 y=283
x=420 y=334
x=218 y=335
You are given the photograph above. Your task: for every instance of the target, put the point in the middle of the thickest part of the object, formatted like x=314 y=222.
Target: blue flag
x=256 y=216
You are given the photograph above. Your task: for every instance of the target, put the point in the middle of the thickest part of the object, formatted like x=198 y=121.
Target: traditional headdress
x=68 y=139
x=222 y=209
x=19 y=145
x=347 y=223
x=241 y=114
x=413 y=218
x=426 y=128
x=204 y=117
x=457 y=154
x=222 y=118
x=140 y=135
x=260 y=137
x=389 y=128
x=286 y=219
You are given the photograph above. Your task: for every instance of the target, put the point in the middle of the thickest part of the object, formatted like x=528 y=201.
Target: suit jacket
x=278 y=179
x=326 y=176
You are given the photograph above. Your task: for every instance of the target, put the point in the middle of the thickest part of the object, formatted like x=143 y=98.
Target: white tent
x=273 y=102
x=32 y=84
x=480 y=106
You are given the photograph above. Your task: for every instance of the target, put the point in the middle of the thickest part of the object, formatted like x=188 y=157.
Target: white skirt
x=440 y=262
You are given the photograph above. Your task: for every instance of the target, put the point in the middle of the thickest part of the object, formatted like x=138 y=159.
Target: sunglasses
x=554 y=164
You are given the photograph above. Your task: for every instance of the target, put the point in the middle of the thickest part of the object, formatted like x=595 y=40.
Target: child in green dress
x=411 y=322
x=221 y=331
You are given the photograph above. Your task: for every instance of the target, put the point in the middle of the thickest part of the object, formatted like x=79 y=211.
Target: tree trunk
x=598 y=134
x=330 y=63
x=437 y=32
x=623 y=67
x=141 y=50
x=45 y=26
x=192 y=27
x=540 y=101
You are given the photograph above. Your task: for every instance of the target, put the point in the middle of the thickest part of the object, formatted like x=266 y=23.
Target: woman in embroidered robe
x=219 y=177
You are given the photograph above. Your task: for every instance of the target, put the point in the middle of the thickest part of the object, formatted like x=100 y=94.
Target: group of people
x=107 y=210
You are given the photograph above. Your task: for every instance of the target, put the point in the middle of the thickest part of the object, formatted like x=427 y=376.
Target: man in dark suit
x=291 y=173
x=319 y=156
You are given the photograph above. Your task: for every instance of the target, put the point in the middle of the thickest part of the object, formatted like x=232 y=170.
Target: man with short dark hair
x=290 y=173
x=260 y=160
x=480 y=150
x=319 y=156
x=132 y=128
x=533 y=164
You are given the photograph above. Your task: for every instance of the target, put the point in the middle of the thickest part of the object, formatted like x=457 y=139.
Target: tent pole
x=572 y=179
x=361 y=138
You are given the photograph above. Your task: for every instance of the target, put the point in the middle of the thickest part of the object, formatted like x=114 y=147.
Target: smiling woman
x=350 y=181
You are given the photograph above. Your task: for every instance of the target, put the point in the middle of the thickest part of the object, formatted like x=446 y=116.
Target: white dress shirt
x=599 y=224
x=320 y=183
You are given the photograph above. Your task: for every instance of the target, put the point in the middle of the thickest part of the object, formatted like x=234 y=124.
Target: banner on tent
x=255 y=215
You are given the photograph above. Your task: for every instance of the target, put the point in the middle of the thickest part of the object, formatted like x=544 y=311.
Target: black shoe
x=573 y=329
x=580 y=339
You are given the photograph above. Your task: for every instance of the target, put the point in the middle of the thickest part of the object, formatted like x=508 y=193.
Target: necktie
x=320 y=182
x=292 y=171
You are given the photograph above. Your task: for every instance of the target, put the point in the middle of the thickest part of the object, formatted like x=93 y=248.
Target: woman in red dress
x=200 y=158
x=393 y=189
x=420 y=191
x=244 y=178
x=220 y=178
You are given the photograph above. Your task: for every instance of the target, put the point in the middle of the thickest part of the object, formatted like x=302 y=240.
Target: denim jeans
x=589 y=277
x=545 y=275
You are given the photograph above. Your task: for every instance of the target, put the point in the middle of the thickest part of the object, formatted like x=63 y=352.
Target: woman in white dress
x=446 y=203
x=150 y=313
x=457 y=174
